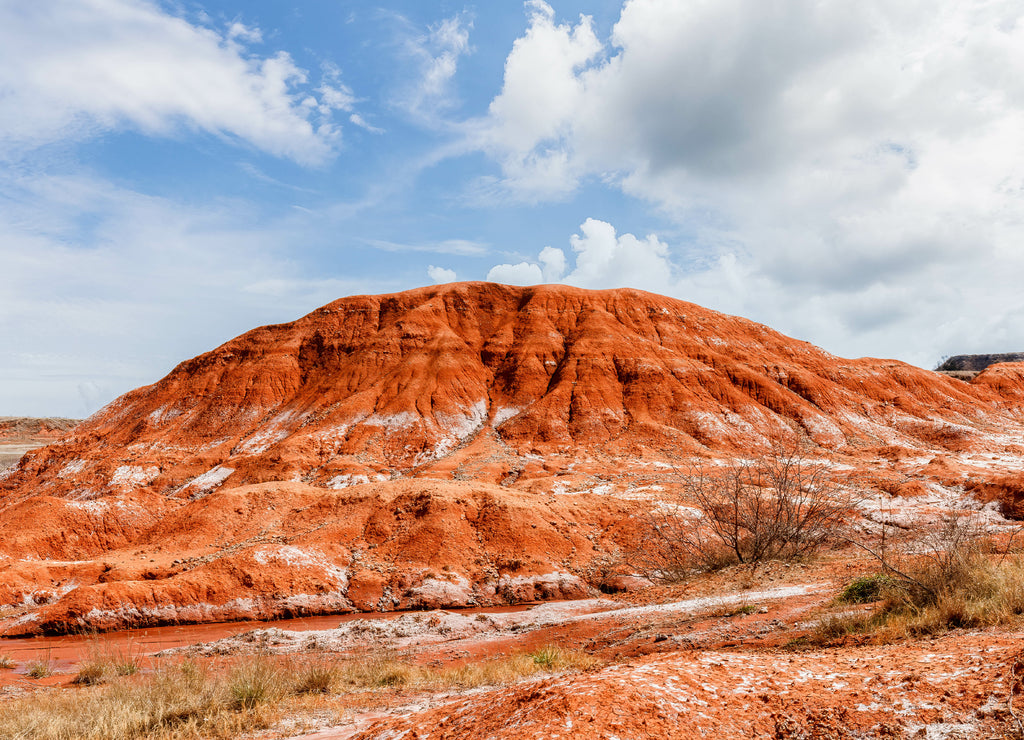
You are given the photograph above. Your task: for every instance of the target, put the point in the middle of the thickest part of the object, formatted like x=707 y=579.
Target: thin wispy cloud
x=448 y=246
x=74 y=69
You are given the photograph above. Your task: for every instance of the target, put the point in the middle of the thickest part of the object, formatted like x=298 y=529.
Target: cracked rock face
x=454 y=445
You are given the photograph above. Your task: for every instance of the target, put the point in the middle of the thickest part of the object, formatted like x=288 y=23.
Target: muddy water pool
x=64 y=652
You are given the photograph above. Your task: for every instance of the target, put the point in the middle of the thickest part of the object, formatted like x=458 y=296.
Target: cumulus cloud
x=441 y=274
x=532 y=117
x=825 y=160
x=552 y=264
x=523 y=273
x=603 y=259
x=71 y=69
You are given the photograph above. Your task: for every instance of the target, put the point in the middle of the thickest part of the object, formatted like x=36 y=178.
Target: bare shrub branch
x=777 y=505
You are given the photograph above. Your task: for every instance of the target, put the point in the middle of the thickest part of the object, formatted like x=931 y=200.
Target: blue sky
x=172 y=174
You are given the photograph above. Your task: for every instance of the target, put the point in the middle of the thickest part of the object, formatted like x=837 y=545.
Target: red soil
x=225 y=490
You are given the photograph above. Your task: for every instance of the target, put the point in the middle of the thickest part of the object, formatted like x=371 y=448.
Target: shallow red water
x=64 y=652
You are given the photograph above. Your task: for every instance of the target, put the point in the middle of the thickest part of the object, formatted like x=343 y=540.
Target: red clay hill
x=408 y=449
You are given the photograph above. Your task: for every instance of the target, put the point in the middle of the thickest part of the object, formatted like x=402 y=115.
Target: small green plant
x=865 y=589
x=546 y=657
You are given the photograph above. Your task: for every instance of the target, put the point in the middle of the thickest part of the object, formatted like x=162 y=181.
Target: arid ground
x=507 y=511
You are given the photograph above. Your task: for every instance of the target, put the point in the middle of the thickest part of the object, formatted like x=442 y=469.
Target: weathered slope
x=288 y=549
x=369 y=385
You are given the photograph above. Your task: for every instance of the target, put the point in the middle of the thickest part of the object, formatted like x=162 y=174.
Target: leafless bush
x=777 y=505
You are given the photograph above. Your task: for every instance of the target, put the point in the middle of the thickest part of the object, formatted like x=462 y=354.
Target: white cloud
x=153 y=281
x=552 y=264
x=246 y=33
x=70 y=69
x=603 y=260
x=437 y=55
x=441 y=274
x=524 y=273
x=359 y=121
x=542 y=92
x=850 y=173
x=334 y=94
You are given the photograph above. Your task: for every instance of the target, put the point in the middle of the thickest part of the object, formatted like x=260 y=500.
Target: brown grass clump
x=6 y=662
x=950 y=578
x=41 y=667
x=106 y=660
x=317 y=676
x=187 y=700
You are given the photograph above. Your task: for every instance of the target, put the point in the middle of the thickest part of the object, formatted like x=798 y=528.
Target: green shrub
x=865 y=589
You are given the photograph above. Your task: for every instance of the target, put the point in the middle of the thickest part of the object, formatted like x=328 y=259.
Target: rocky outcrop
x=287 y=549
x=977 y=363
x=481 y=376
x=463 y=444
x=20 y=434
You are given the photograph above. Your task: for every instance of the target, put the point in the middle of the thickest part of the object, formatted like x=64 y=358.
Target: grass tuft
x=973 y=589
x=315 y=677
x=41 y=667
x=254 y=682
x=105 y=660
x=6 y=661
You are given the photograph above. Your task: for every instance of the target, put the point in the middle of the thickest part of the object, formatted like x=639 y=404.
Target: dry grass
x=386 y=671
x=106 y=660
x=188 y=700
x=979 y=590
x=41 y=667
x=180 y=701
x=6 y=662
x=981 y=593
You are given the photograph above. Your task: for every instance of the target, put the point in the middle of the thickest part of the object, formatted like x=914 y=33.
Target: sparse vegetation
x=932 y=581
x=774 y=506
x=41 y=667
x=315 y=676
x=865 y=589
x=255 y=681
x=187 y=699
x=106 y=660
x=6 y=662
